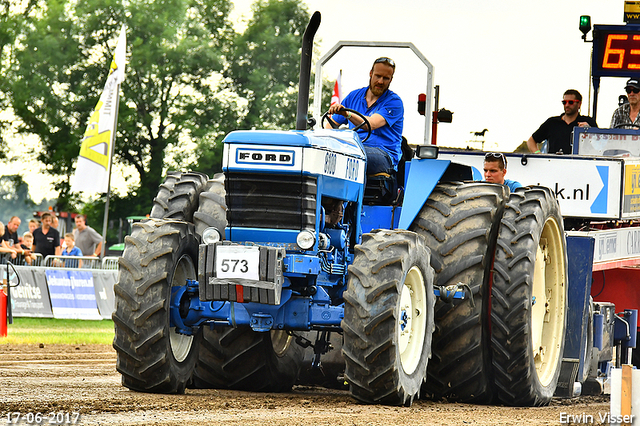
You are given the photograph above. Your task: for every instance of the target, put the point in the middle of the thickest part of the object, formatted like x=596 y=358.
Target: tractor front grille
x=264 y=200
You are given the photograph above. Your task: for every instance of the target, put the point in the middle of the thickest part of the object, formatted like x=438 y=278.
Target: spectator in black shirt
x=46 y=240
x=557 y=130
x=6 y=252
x=11 y=232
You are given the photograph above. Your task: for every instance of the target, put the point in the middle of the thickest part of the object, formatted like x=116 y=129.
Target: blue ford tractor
x=432 y=284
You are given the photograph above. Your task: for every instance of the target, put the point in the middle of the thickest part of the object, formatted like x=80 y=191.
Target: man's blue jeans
x=378 y=161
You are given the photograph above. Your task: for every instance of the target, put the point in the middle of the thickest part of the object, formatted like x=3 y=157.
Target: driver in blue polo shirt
x=384 y=110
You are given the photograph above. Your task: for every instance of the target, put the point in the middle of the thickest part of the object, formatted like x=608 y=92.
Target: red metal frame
x=620 y=286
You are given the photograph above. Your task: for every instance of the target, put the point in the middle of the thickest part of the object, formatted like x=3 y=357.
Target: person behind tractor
x=87 y=239
x=627 y=115
x=11 y=232
x=33 y=225
x=384 y=111
x=495 y=169
x=6 y=253
x=334 y=211
x=557 y=130
x=71 y=250
x=27 y=246
x=46 y=239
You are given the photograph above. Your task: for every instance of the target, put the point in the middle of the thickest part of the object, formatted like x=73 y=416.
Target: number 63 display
x=616 y=50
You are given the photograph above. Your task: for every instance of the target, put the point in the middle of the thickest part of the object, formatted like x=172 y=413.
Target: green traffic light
x=585 y=24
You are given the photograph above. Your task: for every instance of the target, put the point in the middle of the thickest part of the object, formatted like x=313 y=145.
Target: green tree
x=174 y=57
x=12 y=15
x=16 y=201
x=190 y=79
x=265 y=63
x=263 y=69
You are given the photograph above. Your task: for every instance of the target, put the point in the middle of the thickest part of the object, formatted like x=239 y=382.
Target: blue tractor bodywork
x=277 y=184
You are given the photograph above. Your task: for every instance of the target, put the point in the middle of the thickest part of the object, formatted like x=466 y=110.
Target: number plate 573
x=237 y=262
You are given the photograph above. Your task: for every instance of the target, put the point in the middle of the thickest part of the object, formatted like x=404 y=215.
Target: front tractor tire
x=388 y=318
x=177 y=197
x=529 y=295
x=159 y=256
x=212 y=206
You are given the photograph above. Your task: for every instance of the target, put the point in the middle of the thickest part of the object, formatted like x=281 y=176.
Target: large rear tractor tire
x=243 y=359
x=388 y=318
x=529 y=294
x=159 y=256
x=459 y=222
x=178 y=196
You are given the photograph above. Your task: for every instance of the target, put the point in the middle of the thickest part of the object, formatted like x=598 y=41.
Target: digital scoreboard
x=616 y=51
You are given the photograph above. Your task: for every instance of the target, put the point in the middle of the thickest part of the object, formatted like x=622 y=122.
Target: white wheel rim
x=280 y=341
x=412 y=320
x=181 y=343
x=548 y=302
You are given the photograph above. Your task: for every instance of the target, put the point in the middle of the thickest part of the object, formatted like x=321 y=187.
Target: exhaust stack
x=305 y=71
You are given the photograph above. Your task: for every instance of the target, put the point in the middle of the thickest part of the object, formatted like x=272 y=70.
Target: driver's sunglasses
x=632 y=89
x=491 y=156
x=385 y=60
x=571 y=102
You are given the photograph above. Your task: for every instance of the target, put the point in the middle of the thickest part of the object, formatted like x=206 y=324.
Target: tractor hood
x=340 y=141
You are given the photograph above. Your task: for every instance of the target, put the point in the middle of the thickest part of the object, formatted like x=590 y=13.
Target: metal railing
x=110 y=262
x=36 y=259
x=81 y=262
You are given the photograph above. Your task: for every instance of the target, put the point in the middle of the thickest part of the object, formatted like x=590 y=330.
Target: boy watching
x=71 y=250
x=26 y=245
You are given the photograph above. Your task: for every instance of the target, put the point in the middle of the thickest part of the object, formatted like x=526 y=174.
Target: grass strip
x=58 y=331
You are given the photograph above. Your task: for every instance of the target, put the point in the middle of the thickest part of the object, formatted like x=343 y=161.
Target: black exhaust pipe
x=304 y=83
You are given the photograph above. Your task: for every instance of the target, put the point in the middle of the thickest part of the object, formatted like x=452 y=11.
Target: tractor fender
x=423 y=176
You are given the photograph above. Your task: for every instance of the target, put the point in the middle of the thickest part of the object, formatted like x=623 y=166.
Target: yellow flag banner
x=93 y=168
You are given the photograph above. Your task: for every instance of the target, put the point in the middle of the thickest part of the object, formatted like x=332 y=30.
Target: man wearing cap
x=557 y=130
x=627 y=115
x=384 y=111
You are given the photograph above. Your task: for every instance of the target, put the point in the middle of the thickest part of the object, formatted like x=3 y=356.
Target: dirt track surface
x=83 y=379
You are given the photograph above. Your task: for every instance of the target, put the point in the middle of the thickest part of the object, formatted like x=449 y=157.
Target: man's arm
x=376 y=120
x=587 y=121
x=98 y=250
x=97 y=240
x=532 y=145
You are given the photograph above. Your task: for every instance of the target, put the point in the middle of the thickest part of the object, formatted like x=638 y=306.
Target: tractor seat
x=382 y=188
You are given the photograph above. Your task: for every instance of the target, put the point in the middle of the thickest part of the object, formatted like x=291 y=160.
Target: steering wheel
x=621 y=125
x=334 y=125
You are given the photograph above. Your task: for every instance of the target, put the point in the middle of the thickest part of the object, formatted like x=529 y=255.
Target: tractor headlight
x=211 y=235
x=427 y=151
x=306 y=240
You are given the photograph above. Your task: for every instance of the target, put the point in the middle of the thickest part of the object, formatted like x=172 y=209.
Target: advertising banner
x=584 y=186
x=30 y=298
x=103 y=282
x=72 y=294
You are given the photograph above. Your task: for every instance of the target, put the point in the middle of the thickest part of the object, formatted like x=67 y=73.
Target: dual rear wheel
x=504 y=341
